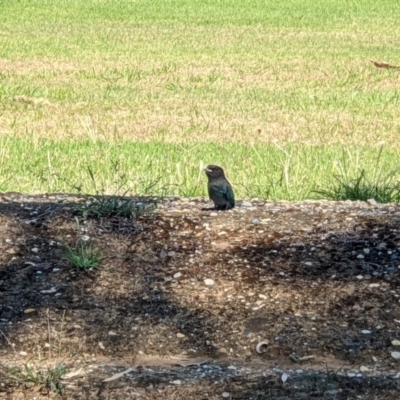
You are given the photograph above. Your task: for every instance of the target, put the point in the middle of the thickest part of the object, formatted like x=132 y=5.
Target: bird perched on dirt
x=219 y=189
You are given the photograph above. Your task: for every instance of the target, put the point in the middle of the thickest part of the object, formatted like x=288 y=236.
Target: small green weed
x=47 y=378
x=384 y=190
x=321 y=382
x=84 y=256
x=114 y=206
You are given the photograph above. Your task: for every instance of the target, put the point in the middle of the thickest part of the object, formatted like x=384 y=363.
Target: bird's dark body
x=219 y=189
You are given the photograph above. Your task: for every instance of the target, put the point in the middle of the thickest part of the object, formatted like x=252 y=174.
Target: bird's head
x=213 y=171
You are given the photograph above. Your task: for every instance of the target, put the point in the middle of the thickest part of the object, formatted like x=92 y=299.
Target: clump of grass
x=321 y=382
x=85 y=255
x=47 y=378
x=115 y=206
x=385 y=190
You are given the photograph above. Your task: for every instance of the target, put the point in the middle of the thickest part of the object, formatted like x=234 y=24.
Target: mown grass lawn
x=282 y=94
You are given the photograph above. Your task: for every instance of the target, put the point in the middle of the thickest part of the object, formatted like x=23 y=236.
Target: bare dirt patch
x=184 y=296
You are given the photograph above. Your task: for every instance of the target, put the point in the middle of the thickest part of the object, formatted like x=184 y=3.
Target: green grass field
x=281 y=94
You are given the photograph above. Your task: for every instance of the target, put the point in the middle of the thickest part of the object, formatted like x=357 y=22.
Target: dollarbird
x=219 y=189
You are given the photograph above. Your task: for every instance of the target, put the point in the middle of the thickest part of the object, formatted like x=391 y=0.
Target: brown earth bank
x=184 y=295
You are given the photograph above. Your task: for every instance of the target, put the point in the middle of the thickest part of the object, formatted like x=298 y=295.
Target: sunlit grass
x=182 y=71
x=291 y=172
x=273 y=91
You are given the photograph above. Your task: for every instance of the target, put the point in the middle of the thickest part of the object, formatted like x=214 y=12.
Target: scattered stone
x=112 y=333
x=34 y=250
x=366 y=332
x=374 y=359
x=177 y=275
x=246 y=204
x=360 y=256
x=226 y=395
x=364 y=368
x=49 y=291
x=359 y=277
x=373 y=285
x=366 y=251
x=180 y=335
x=209 y=282
x=395 y=342
x=256 y=221
x=163 y=254
x=171 y=253
x=177 y=382
x=395 y=355
x=29 y=310
x=284 y=377
x=23 y=353
x=373 y=202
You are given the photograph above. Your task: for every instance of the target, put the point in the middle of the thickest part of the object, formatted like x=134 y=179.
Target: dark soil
x=318 y=281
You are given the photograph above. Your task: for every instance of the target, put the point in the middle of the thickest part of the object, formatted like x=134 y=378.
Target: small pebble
x=23 y=353
x=395 y=342
x=372 y=285
x=177 y=275
x=226 y=395
x=180 y=335
x=247 y=204
x=171 y=253
x=366 y=332
x=176 y=382
x=209 y=282
x=34 y=250
x=395 y=355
